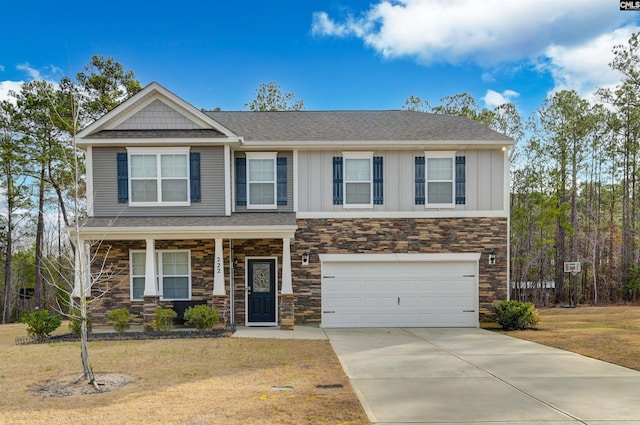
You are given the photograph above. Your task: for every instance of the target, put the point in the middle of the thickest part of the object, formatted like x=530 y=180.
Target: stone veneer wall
x=403 y=235
x=116 y=279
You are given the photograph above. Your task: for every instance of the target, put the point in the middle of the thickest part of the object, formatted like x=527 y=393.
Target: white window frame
x=159 y=273
x=440 y=155
x=272 y=156
x=132 y=276
x=357 y=155
x=158 y=152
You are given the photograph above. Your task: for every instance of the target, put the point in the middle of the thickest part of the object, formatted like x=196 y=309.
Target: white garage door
x=400 y=294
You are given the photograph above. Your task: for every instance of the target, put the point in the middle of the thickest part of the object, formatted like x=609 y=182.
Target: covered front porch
x=239 y=264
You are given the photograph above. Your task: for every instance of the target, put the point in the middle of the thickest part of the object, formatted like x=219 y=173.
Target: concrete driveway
x=471 y=376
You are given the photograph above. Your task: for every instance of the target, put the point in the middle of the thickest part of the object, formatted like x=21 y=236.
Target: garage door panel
x=406 y=294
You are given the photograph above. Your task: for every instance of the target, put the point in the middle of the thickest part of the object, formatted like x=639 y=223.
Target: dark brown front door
x=261 y=297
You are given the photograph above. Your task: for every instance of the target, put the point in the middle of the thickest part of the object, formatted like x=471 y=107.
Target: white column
x=218 y=270
x=287 y=287
x=82 y=270
x=150 y=285
x=78 y=270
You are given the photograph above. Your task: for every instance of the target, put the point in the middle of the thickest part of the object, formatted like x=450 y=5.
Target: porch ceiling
x=236 y=226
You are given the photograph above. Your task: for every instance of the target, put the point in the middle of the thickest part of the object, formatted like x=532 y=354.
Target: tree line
x=574 y=180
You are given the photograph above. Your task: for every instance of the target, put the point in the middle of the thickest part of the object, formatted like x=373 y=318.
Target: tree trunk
x=6 y=312
x=39 y=241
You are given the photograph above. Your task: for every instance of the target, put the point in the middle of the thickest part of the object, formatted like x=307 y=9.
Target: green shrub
x=75 y=322
x=202 y=316
x=517 y=315
x=119 y=319
x=40 y=323
x=163 y=319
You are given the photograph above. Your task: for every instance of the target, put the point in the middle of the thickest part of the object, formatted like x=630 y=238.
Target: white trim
x=246 y=292
x=89 y=176
x=507 y=207
x=367 y=144
x=272 y=156
x=349 y=258
x=182 y=232
x=158 y=152
x=440 y=155
x=156 y=142
x=218 y=269
x=295 y=180
x=227 y=180
x=403 y=214
x=287 y=287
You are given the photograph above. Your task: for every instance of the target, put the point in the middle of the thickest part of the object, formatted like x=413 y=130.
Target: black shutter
x=378 y=181
x=123 y=178
x=337 y=180
x=194 y=159
x=241 y=181
x=419 y=180
x=460 y=180
x=281 y=171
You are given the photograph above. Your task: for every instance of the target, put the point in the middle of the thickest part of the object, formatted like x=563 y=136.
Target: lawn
x=611 y=334
x=180 y=381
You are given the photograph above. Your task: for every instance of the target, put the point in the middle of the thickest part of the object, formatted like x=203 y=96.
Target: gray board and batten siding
x=484 y=181
x=105 y=186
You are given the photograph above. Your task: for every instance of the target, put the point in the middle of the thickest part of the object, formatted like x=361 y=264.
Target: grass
x=608 y=333
x=191 y=382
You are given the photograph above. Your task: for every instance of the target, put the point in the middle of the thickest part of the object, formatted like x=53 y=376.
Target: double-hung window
x=261 y=180
x=358 y=179
x=440 y=179
x=173 y=277
x=159 y=176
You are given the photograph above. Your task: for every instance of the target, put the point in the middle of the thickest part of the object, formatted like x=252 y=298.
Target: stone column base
x=149 y=304
x=220 y=302
x=286 y=312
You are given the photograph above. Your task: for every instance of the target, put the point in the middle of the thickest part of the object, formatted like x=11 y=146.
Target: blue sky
x=333 y=54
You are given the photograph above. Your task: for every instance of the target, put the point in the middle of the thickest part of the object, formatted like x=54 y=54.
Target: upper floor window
x=440 y=179
x=159 y=176
x=261 y=180
x=358 y=179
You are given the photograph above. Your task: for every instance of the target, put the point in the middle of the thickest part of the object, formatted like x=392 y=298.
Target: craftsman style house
x=334 y=218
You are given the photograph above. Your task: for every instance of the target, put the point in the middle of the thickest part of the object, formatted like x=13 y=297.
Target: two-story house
x=336 y=218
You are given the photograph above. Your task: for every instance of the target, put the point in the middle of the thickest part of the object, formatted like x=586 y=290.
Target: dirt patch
x=72 y=386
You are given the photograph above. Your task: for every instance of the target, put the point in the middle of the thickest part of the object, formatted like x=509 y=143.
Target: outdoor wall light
x=305 y=258
x=235 y=263
x=492 y=258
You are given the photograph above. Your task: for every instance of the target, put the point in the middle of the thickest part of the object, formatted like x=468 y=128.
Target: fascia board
x=151 y=142
x=395 y=144
x=181 y=232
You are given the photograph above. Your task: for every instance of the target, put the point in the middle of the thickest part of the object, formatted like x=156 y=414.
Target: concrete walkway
x=474 y=376
x=299 y=332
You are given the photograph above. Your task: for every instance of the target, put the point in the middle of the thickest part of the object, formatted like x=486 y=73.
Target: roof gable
x=154 y=111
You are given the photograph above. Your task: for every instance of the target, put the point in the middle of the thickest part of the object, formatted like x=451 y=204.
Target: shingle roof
x=155 y=134
x=332 y=126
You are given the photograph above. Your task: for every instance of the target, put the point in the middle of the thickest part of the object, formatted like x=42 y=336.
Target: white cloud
x=493 y=98
x=567 y=38
x=6 y=87
x=33 y=73
x=585 y=67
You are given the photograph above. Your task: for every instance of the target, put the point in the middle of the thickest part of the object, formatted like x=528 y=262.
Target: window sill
x=159 y=204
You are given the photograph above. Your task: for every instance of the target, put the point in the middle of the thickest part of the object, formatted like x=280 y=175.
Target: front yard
x=608 y=333
x=180 y=381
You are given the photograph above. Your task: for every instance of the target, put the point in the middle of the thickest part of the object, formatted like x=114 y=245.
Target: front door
x=261 y=294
